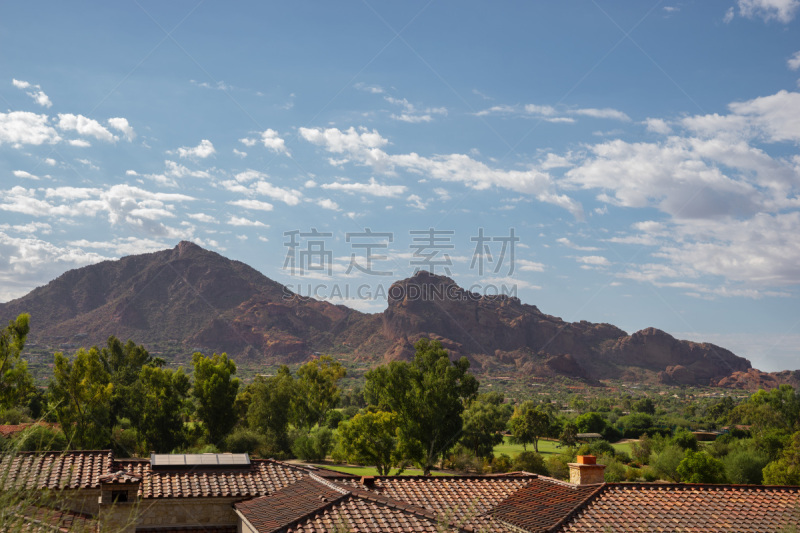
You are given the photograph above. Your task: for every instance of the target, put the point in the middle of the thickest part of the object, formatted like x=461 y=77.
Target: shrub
x=243 y=440
x=633 y=474
x=615 y=471
x=700 y=467
x=40 y=438
x=501 y=463
x=685 y=439
x=745 y=466
x=641 y=450
x=314 y=445
x=530 y=462
x=665 y=464
x=558 y=466
x=596 y=448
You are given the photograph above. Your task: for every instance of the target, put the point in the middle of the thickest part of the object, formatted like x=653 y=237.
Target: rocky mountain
x=196 y=299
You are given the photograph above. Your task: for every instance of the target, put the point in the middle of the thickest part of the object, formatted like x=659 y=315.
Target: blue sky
x=644 y=153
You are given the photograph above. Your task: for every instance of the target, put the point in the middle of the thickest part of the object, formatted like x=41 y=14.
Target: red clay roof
x=622 y=507
x=54 y=470
x=287 y=505
x=543 y=504
x=262 y=478
x=464 y=499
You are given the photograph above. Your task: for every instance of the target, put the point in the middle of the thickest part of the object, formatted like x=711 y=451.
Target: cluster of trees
x=426 y=412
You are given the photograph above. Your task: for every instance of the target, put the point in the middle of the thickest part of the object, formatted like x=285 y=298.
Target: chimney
x=586 y=471
x=368 y=481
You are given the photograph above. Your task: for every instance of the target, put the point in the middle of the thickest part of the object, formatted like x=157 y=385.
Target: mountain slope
x=191 y=298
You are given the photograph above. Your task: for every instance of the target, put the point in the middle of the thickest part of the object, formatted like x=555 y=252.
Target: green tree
x=666 y=462
x=786 y=469
x=16 y=383
x=773 y=417
x=80 y=393
x=270 y=405
x=371 y=439
x=318 y=388
x=484 y=421
x=745 y=466
x=531 y=462
x=124 y=364
x=590 y=423
x=215 y=390
x=700 y=467
x=529 y=423
x=163 y=400
x=568 y=435
x=645 y=405
x=428 y=395
x=686 y=440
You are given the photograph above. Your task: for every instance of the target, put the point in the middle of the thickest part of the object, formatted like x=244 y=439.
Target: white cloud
x=416 y=202
x=239 y=153
x=607 y=112
x=372 y=188
x=25 y=175
x=252 y=204
x=780 y=10
x=327 y=203
x=657 y=125
x=202 y=217
x=36 y=93
x=248 y=142
x=794 y=62
x=84 y=126
x=364 y=147
x=28 y=262
x=272 y=140
x=201 y=151
x=413 y=119
x=287 y=196
x=79 y=143
x=23 y=127
x=239 y=221
x=569 y=244
x=50 y=161
x=121 y=124
x=729 y=14
x=529 y=266
x=593 y=260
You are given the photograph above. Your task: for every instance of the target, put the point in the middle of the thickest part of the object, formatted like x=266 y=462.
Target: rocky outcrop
x=753 y=379
x=197 y=299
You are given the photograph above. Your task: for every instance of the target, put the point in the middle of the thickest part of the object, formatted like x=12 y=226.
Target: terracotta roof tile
x=627 y=507
x=543 y=504
x=54 y=470
x=287 y=505
x=262 y=478
x=463 y=499
x=37 y=519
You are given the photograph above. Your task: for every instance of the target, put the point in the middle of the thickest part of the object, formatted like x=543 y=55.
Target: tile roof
x=35 y=519
x=8 y=430
x=315 y=504
x=54 y=470
x=464 y=499
x=627 y=507
x=262 y=478
x=269 y=513
x=543 y=504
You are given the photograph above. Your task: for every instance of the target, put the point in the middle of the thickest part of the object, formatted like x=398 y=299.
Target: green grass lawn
x=372 y=471
x=546 y=447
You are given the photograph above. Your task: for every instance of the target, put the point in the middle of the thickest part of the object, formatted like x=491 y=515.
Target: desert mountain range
x=197 y=299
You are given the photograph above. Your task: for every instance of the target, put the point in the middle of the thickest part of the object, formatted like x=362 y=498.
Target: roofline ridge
x=720 y=486
x=330 y=484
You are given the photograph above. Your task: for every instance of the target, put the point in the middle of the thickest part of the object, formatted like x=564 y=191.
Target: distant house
x=230 y=493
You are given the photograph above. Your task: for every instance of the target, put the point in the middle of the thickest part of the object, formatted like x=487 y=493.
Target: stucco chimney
x=586 y=471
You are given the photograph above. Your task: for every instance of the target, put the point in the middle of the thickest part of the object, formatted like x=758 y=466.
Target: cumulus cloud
x=794 y=62
x=657 y=125
x=35 y=92
x=84 y=126
x=24 y=174
x=781 y=10
x=327 y=203
x=240 y=221
x=270 y=139
x=372 y=188
x=121 y=124
x=201 y=151
x=23 y=127
x=252 y=204
x=364 y=147
x=202 y=217
x=28 y=262
x=287 y=196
